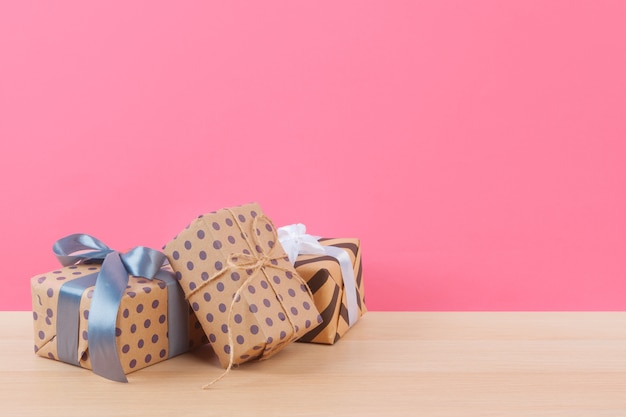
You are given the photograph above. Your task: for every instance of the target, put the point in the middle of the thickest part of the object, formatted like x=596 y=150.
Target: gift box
x=333 y=271
x=153 y=322
x=243 y=289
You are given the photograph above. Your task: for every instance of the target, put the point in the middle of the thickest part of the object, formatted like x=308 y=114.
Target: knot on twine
x=249 y=262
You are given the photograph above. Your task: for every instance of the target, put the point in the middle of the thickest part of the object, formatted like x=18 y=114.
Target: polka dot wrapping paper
x=230 y=264
x=141 y=325
x=323 y=276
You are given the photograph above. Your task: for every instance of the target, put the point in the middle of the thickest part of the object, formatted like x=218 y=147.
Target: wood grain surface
x=389 y=364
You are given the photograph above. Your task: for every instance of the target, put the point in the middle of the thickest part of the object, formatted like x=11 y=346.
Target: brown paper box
x=274 y=307
x=142 y=339
x=323 y=276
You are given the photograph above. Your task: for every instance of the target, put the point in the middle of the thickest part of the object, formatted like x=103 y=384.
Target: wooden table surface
x=389 y=364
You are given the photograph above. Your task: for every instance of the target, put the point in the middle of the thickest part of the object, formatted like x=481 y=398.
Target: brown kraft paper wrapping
x=142 y=322
x=235 y=251
x=323 y=276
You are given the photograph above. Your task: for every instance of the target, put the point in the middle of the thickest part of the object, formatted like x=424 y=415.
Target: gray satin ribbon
x=177 y=315
x=68 y=315
x=105 y=303
x=110 y=284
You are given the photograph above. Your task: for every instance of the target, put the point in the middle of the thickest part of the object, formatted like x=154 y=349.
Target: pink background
x=476 y=147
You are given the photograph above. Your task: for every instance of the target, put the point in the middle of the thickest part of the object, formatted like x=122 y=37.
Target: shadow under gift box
x=142 y=324
x=236 y=250
x=325 y=279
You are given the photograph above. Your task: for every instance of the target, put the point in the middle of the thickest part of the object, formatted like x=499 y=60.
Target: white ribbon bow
x=295 y=241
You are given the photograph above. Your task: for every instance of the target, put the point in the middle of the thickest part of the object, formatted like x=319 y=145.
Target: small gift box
x=110 y=312
x=332 y=270
x=241 y=285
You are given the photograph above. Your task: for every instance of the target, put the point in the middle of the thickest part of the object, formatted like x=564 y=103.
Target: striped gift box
x=323 y=276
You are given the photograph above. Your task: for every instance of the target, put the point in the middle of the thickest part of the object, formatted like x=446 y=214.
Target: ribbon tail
x=349 y=281
x=105 y=304
x=292 y=253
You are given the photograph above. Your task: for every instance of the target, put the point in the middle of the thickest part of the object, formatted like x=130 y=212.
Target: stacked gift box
x=229 y=278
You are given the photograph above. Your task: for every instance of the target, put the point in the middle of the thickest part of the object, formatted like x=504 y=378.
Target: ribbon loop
x=143 y=262
x=79 y=247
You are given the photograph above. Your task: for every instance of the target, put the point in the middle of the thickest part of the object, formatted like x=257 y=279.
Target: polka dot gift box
x=153 y=321
x=241 y=285
x=333 y=272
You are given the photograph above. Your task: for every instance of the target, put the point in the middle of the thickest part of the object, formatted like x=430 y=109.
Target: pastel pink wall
x=477 y=147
